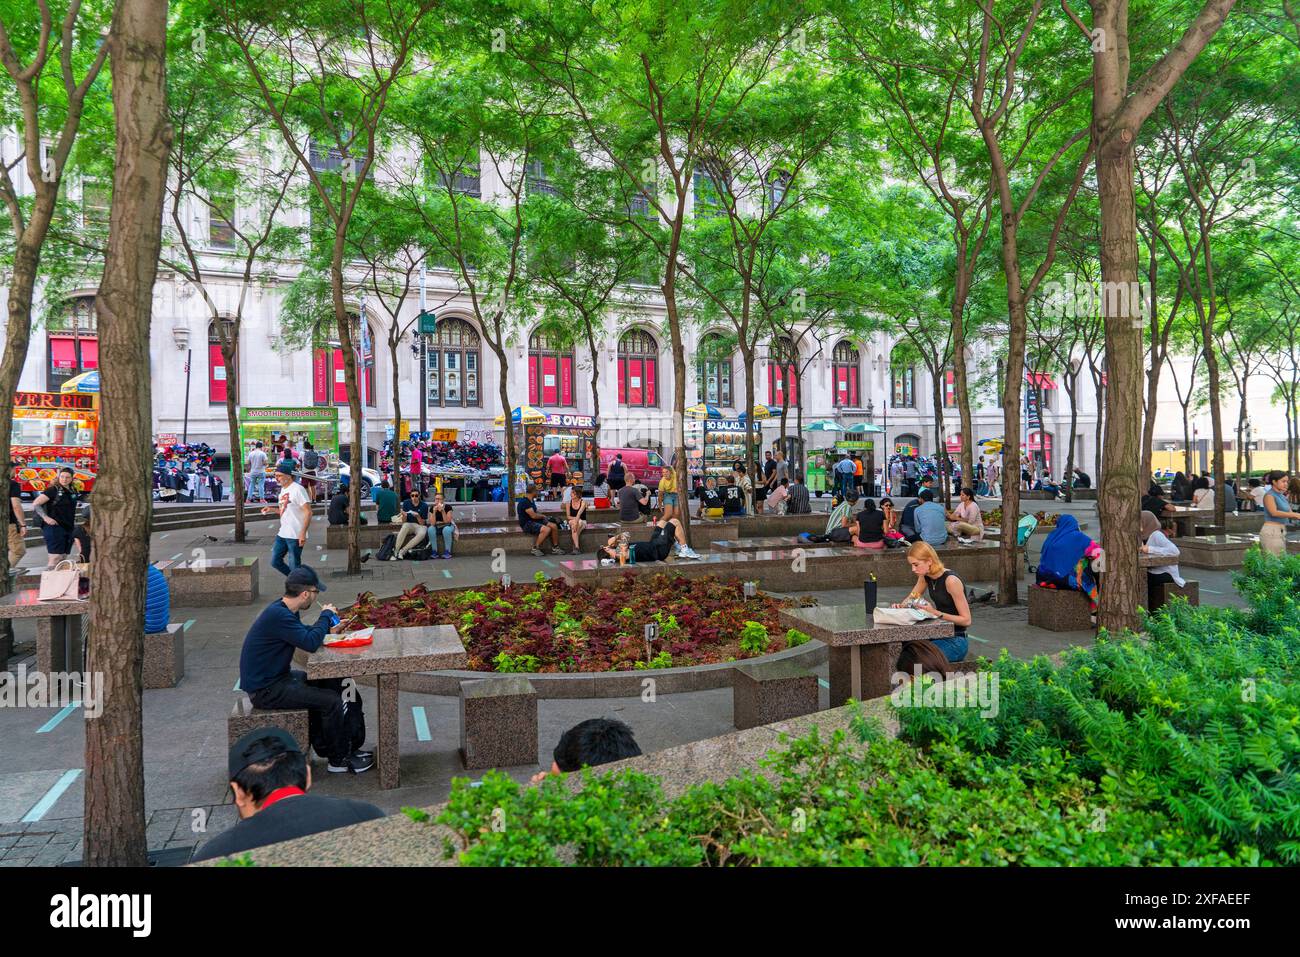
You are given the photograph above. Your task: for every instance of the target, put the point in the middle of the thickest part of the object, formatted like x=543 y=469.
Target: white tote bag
x=60 y=583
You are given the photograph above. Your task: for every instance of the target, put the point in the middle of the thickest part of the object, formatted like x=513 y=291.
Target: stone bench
x=245 y=718
x=760 y=526
x=774 y=541
x=798 y=569
x=1059 y=609
x=1167 y=590
x=771 y=691
x=164 y=657
x=498 y=722
x=213 y=582
x=1084 y=494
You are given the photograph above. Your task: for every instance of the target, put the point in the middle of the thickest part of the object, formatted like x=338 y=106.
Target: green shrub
x=794 y=638
x=514 y=664
x=661 y=660
x=753 y=638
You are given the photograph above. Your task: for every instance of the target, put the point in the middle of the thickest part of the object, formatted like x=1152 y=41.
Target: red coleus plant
x=594 y=628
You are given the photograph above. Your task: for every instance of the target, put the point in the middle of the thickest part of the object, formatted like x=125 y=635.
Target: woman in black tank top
x=947 y=597
x=574 y=511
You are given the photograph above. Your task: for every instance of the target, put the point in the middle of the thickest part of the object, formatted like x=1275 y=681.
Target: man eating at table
x=336 y=724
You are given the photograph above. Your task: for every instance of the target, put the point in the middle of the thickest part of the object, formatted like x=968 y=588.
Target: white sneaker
x=963 y=540
x=686 y=551
x=605 y=562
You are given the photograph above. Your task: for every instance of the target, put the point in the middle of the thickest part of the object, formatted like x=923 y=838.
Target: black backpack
x=387 y=547
x=310 y=459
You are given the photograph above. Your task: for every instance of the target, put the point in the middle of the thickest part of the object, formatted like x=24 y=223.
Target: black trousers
x=330 y=726
x=1154 y=582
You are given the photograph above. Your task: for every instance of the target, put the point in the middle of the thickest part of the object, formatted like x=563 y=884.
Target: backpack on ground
x=387 y=547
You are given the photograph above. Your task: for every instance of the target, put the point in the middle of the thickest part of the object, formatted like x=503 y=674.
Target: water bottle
x=473 y=514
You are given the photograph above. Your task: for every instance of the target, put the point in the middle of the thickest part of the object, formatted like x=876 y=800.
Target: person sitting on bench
x=733 y=497
x=710 y=499
x=667 y=536
x=444 y=527
x=157 y=601
x=1156 y=542
x=415 y=525
x=941 y=594
x=265 y=676
x=269 y=778
x=535 y=523
x=1065 y=561
x=337 y=513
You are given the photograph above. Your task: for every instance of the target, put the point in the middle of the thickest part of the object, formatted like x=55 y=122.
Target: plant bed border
x=608 y=684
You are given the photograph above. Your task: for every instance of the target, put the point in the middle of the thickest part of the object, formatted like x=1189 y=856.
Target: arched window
x=714 y=370
x=782 y=372
x=73 y=341
x=329 y=377
x=904 y=382
x=550 y=370
x=638 y=369
x=908 y=444
x=846 y=364
x=455 y=358
x=217 y=384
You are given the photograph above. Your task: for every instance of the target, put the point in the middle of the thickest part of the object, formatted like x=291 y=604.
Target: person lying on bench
x=590 y=744
x=269 y=778
x=667 y=536
x=535 y=523
x=265 y=676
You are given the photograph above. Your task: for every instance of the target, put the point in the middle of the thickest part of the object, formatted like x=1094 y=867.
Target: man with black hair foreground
x=270 y=778
x=590 y=743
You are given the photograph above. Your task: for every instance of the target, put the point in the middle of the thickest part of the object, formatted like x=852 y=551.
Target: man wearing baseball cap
x=336 y=722
x=270 y=778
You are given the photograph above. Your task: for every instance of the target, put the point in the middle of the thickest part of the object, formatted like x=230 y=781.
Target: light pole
x=424 y=361
x=1249 y=444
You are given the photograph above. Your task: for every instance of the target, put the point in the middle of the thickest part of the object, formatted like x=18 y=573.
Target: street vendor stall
x=51 y=430
x=866 y=448
x=713 y=445
x=574 y=436
x=280 y=427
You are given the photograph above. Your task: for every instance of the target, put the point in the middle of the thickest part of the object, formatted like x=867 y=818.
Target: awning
x=1040 y=379
x=63 y=353
x=89 y=354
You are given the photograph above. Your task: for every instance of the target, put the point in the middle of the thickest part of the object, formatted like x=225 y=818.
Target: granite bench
x=1191 y=591
x=498 y=722
x=245 y=718
x=164 y=657
x=213 y=582
x=1059 y=609
x=768 y=542
x=798 y=569
x=770 y=691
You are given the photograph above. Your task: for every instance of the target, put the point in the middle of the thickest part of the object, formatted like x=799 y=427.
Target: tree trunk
x=1008 y=559
x=1120 y=488
x=230 y=356
x=747 y=357
x=963 y=396
x=1187 y=439
x=1099 y=437
x=503 y=392
x=940 y=446
x=397 y=394
x=114 y=830
x=669 y=290
x=1068 y=478
x=351 y=385
x=18 y=335
x=1241 y=430
x=595 y=410
x=1216 y=423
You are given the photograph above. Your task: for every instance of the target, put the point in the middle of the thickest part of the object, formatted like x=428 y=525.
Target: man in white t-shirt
x=295 y=518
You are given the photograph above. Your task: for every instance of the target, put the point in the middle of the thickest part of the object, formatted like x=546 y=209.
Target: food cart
x=817 y=464
x=571 y=434
x=866 y=448
x=713 y=445
x=278 y=427
x=51 y=430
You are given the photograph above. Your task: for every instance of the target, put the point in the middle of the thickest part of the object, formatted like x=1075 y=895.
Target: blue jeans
x=282 y=547
x=843 y=484
x=954 y=648
x=446 y=531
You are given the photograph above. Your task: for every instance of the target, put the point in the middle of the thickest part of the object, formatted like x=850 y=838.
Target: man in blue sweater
x=335 y=723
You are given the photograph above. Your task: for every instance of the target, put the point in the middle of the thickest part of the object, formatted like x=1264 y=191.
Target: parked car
x=369 y=477
x=645 y=464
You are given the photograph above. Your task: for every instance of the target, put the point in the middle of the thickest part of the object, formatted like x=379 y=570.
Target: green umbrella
x=824 y=425
x=862 y=427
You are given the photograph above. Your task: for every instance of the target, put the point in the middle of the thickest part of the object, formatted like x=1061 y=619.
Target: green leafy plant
x=661 y=660
x=754 y=639
x=794 y=638
x=507 y=663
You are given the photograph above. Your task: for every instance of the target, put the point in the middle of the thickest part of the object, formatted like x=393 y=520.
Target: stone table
x=394 y=651
x=1185 y=519
x=863 y=656
x=58 y=628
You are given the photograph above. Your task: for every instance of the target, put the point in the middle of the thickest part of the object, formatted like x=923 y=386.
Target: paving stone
x=8 y=841
x=16 y=862
x=33 y=840
x=52 y=855
x=65 y=837
x=166 y=816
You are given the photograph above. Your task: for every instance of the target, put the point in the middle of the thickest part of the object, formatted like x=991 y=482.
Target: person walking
x=844 y=478
x=1277 y=514
x=617 y=473
x=257 y=474
x=294 y=508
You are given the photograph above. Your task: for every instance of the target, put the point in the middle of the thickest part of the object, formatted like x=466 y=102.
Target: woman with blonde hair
x=942 y=594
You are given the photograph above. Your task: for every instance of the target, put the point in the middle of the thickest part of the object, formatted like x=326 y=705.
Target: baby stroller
x=1027 y=525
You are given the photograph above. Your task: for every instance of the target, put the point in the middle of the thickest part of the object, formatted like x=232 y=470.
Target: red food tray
x=351 y=642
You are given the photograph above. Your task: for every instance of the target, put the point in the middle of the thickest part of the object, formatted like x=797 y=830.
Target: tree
x=114 y=818
x=209 y=132
x=42 y=58
x=1119 y=109
x=325 y=86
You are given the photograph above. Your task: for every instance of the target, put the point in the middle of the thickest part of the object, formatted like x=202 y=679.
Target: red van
x=645 y=464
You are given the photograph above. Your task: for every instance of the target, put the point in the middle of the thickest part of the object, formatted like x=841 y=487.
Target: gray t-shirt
x=782 y=471
x=257 y=461
x=629 y=500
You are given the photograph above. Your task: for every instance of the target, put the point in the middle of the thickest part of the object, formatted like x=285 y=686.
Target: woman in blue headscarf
x=1064 y=562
